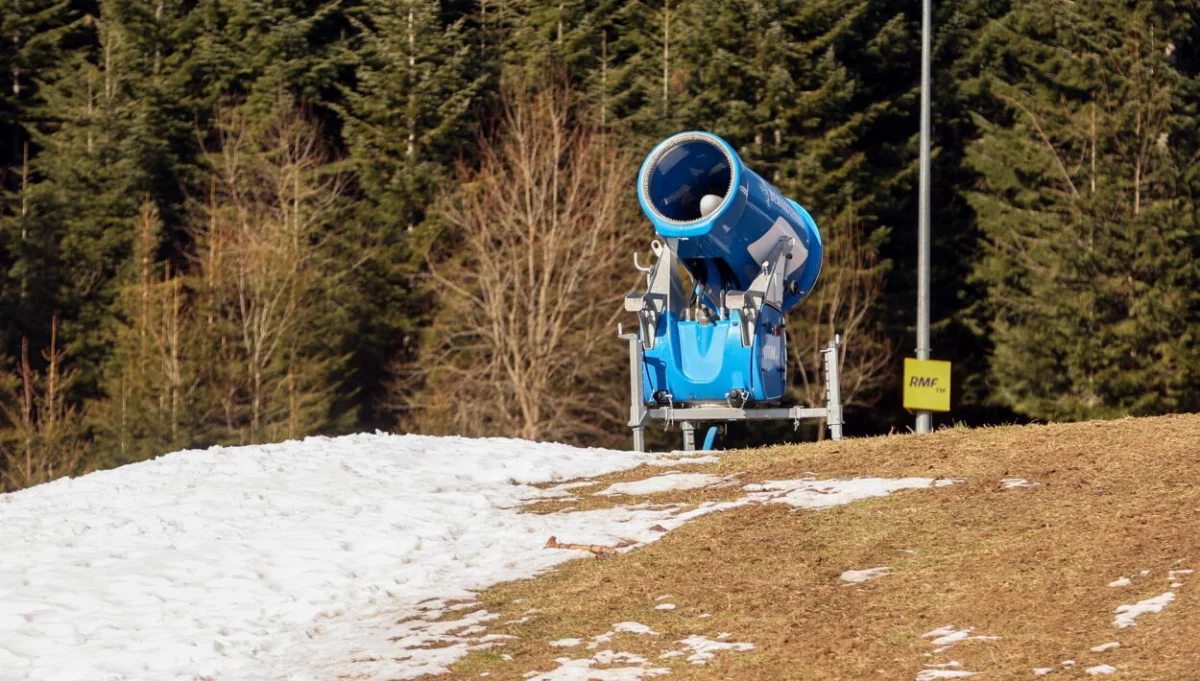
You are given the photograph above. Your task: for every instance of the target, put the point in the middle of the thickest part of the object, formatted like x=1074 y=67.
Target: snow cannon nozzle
x=722 y=219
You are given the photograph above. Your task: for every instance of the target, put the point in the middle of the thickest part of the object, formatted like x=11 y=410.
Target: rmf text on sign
x=926 y=385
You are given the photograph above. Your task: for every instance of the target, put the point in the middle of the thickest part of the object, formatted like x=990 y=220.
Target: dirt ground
x=1030 y=565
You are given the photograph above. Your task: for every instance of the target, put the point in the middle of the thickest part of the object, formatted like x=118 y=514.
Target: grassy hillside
x=1029 y=565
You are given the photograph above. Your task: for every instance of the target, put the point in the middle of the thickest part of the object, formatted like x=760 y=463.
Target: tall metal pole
x=924 y=418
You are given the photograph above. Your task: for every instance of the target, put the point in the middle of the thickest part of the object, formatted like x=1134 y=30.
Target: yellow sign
x=926 y=385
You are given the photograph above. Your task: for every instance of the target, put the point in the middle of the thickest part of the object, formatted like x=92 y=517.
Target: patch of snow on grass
x=665 y=606
x=1173 y=575
x=685 y=461
x=944 y=637
x=1042 y=671
x=1013 y=483
x=615 y=657
x=669 y=482
x=566 y=643
x=664 y=597
x=704 y=649
x=1126 y=614
x=821 y=494
x=633 y=628
x=1100 y=669
x=582 y=670
x=934 y=674
x=860 y=576
x=1106 y=646
x=270 y=561
x=1120 y=581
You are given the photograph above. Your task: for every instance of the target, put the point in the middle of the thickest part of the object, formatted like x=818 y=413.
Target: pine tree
x=1088 y=138
x=87 y=176
x=407 y=119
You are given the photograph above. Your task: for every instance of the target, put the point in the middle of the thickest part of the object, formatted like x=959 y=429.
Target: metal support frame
x=640 y=413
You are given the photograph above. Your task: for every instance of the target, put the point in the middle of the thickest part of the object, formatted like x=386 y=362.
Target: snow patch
x=669 y=461
x=1042 y=671
x=566 y=643
x=270 y=561
x=704 y=649
x=1120 y=581
x=1100 y=669
x=821 y=494
x=1013 y=483
x=860 y=576
x=330 y=554
x=665 y=606
x=634 y=628
x=582 y=670
x=1106 y=646
x=948 y=636
x=669 y=482
x=1126 y=614
x=934 y=674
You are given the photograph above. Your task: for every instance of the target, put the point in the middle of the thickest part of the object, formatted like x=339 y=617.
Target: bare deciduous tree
x=850 y=285
x=40 y=434
x=530 y=288
x=262 y=249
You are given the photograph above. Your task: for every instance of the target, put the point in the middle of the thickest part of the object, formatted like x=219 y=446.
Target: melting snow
x=933 y=674
x=330 y=554
x=672 y=460
x=819 y=494
x=1120 y=581
x=1042 y=671
x=1106 y=646
x=1101 y=669
x=1126 y=614
x=667 y=482
x=704 y=649
x=665 y=606
x=860 y=576
x=581 y=670
x=566 y=643
x=1012 y=483
x=948 y=636
x=633 y=628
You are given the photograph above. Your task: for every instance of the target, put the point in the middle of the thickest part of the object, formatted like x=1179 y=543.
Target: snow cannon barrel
x=722 y=220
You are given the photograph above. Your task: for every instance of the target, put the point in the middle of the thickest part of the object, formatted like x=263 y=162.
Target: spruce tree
x=1088 y=140
x=408 y=116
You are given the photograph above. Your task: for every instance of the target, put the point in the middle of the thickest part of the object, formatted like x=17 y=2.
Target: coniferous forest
x=241 y=221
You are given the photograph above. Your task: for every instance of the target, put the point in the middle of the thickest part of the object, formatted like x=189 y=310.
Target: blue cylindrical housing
x=724 y=249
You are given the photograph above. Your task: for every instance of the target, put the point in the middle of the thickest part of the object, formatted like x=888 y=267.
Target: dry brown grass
x=1029 y=565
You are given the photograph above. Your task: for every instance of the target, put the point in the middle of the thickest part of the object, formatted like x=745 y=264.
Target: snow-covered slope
x=281 y=561
x=321 y=559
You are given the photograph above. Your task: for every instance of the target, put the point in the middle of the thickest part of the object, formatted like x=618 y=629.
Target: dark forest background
x=238 y=221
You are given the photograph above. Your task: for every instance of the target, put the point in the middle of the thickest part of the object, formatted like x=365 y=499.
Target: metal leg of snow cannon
x=637 y=401
x=689 y=436
x=833 y=388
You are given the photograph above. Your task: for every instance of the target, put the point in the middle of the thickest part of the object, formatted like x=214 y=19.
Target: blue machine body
x=706 y=359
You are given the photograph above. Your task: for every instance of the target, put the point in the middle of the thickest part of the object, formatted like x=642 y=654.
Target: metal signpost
x=924 y=417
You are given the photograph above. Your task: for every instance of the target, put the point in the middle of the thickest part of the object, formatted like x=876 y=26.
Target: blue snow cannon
x=752 y=254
